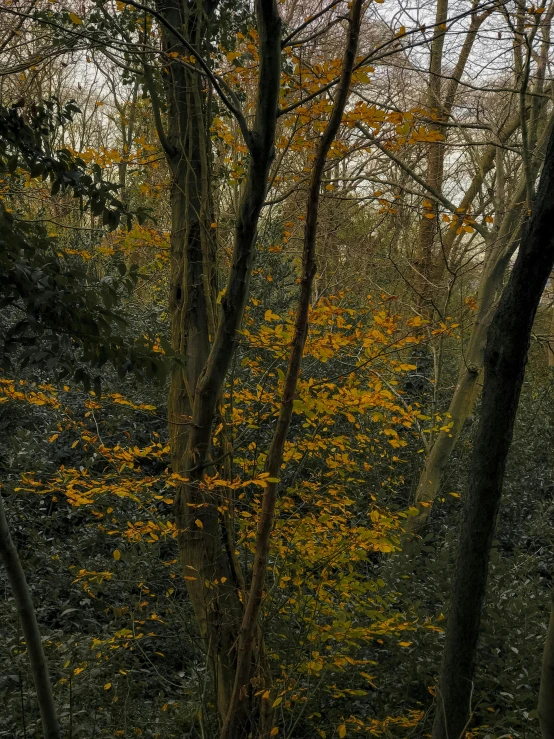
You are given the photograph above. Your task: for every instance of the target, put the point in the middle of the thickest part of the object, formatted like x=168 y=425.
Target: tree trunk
x=468 y=387
x=435 y=163
x=500 y=249
x=205 y=559
x=31 y=632
x=546 y=692
x=550 y=341
x=505 y=358
x=207 y=344
x=233 y=727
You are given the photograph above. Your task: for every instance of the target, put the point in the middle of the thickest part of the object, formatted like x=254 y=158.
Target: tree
x=232 y=726
x=505 y=359
x=50 y=298
x=500 y=247
x=546 y=692
x=39 y=666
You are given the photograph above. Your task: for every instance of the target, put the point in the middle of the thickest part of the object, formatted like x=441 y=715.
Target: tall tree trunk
x=467 y=389
x=546 y=692
x=31 y=632
x=550 y=344
x=206 y=341
x=505 y=359
x=234 y=726
x=205 y=558
x=500 y=248
x=435 y=162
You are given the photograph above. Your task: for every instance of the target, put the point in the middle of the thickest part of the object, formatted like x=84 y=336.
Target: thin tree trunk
x=505 y=359
x=550 y=345
x=468 y=386
x=431 y=266
x=204 y=557
x=232 y=728
x=435 y=161
x=501 y=247
x=194 y=398
x=206 y=341
x=546 y=692
x=31 y=632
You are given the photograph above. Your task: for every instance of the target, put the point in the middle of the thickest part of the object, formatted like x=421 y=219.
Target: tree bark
x=505 y=359
x=31 y=631
x=233 y=727
x=500 y=249
x=435 y=160
x=196 y=391
x=468 y=387
x=546 y=692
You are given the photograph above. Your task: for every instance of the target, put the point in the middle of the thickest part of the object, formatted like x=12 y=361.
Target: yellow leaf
x=117 y=554
x=277 y=701
x=188 y=577
x=369 y=678
x=199 y=523
x=107 y=686
x=342 y=731
x=74 y=444
x=77 y=670
x=75 y=19
x=405 y=643
x=53 y=438
x=274 y=731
